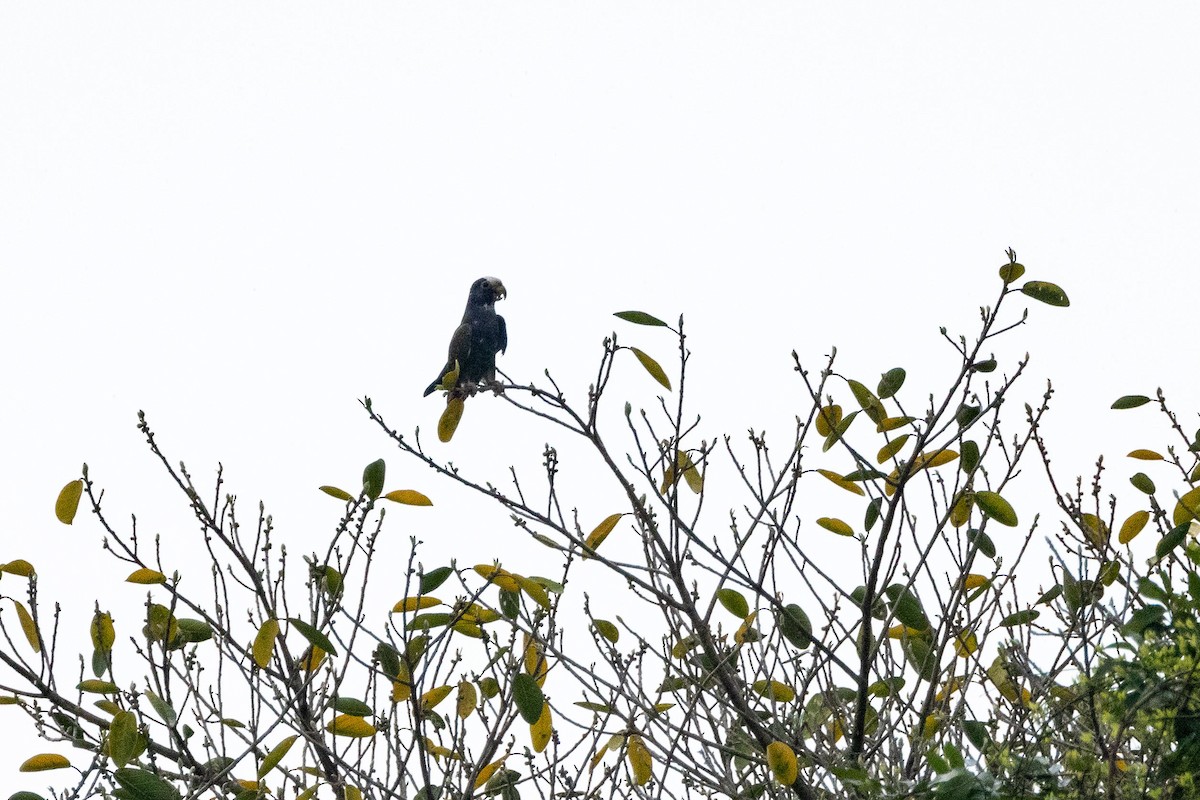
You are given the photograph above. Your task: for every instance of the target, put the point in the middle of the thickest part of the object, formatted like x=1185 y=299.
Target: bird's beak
x=498 y=290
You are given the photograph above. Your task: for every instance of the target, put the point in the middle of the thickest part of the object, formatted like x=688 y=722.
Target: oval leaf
x=641 y=764
x=528 y=696
x=891 y=382
x=448 y=422
x=1130 y=401
x=1046 y=292
x=45 y=761
x=146 y=576
x=276 y=755
x=1141 y=481
x=838 y=480
x=541 y=731
x=264 y=643
x=373 y=475
x=28 y=627
x=1145 y=455
x=314 y=636
x=640 y=318
x=652 y=367
x=340 y=494
x=601 y=532
x=1188 y=507
x=434 y=578
x=782 y=761
x=996 y=507
x=350 y=726
x=408 y=497
x=734 y=602
x=607 y=630
x=1132 y=526
x=68 y=502
x=836 y=526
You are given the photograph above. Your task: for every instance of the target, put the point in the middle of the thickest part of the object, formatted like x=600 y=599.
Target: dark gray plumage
x=481 y=334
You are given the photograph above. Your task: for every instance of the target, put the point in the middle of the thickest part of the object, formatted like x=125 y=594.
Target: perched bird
x=473 y=347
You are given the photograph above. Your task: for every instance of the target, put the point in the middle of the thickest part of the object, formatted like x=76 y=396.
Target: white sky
x=242 y=217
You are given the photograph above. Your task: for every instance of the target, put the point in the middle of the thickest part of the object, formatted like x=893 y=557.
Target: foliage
x=727 y=655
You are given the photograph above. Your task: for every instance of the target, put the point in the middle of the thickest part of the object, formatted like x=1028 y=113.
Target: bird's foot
x=496 y=386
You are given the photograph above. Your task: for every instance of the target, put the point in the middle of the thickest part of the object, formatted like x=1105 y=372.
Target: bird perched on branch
x=473 y=347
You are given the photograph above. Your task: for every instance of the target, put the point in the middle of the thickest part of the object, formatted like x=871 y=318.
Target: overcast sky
x=243 y=217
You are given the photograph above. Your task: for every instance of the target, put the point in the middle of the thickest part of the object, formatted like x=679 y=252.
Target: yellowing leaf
x=340 y=494
x=415 y=604
x=892 y=423
x=601 y=532
x=782 y=761
x=312 y=658
x=437 y=751
x=775 y=690
x=996 y=507
x=499 y=576
x=430 y=699
x=889 y=450
x=535 y=590
x=934 y=459
x=966 y=643
x=18 y=567
x=28 y=627
x=146 y=576
x=351 y=726
x=652 y=367
x=607 y=630
x=94 y=686
x=902 y=631
x=401 y=691
x=836 y=526
x=1132 y=526
x=487 y=772
x=1145 y=455
x=1188 y=507
x=276 y=755
x=691 y=474
x=68 y=502
x=408 y=497
x=838 y=480
x=641 y=764
x=45 y=761
x=102 y=631
x=541 y=731
x=467 y=698
x=974 y=581
x=448 y=423
x=264 y=643
x=828 y=419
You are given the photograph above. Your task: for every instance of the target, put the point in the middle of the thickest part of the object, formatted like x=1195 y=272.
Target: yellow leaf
x=935 y=459
x=448 y=423
x=499 y=576
x=601 y=532
x=415 y=604
x=352 y=793
x=536 y=663
x=965 y=644
x=1188 y=507
x=264 y=643
x=146 y=576
x=640 y=761
x=19 y=567
x=351 y=726
x=29 y=627
x=782 y=761
x=974 y=581
x=931 y=726
x=828 y=419
x=45 y=761
x=340 y=494
x=247 y=785
x=541 y=731
x=467 y=698
x=775 y=690
x=901 y=631
x=95 y=686
x=892 y=423
x=838 y=480
x=1095 y=528
x=960 y=513
x=103 y=633
x=836 y=526
x=889 y=450
x=437 y=751
x=950 y=687
x=401 y=691
x=744 y=630
x=534 y=589
x=408 y=497
x=1133 y=526
x=68 y=502
x=652 y=367
x=487 y=772
x=1146 y=455
x=691 y=474
x=430 y=699
x=312 y=658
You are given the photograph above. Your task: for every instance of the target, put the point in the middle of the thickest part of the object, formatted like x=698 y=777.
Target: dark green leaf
x=966 y=414
x=891 y=382
x=794 y=625
x=389 y=659
x=1011 y=272
x=1050 y=595
x=123 y=738
x=1046 y=292
x=1172 y=540
x=143 y=785
x=194 y=630
x=1020 y=618
x=872 y=515
x=977 y=733
x=353 y=706
x=640 y=318
x=510 y=603
x=434 y=578
x=1142 y=482
x=1130 y=401
x=968 y=456
x=839 y=431
x=996 y=507
x=314 y=636
x=906 y=607
x=528 y=696
x=920 y=656
x=373 y=479
x=987 y=365
x=983 y=542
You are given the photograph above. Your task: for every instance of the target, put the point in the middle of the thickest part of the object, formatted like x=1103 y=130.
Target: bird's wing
x=460 y=344
x=503 y=338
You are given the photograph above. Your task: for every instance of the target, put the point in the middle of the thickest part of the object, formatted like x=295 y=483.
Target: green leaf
x=1130 y=401
x=1142 y=482
x=434 y=578
x=353 y=706
x=734 y=602
x=977 y=733
x=891 y=382
x=920 y=656
x=142 y=785
x=983 y=542
x=599 y=708
x=389 y=659
x=969 y=456
x=373 y=475
x=996 y=507
x=839 y=431
x=794 y=626
x=194 y=630
x=528 y=696
x=906 y=607
x=123 y=738
x=162 y=708
x=640 y=318
x=987 y=365
x=867 y=401
x=276 y=755
x=607 y=630
x=1172 y=540
x=1020 y=618
x=1045 y=292
x=68 y=502
x=966 y=414
x=655 y=371
x=872 y=515
x=314 y=636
